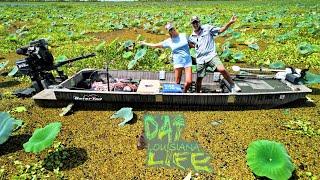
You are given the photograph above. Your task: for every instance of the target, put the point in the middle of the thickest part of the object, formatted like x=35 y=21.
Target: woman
x=178 y=43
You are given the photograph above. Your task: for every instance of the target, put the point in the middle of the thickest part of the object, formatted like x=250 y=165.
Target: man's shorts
x=201 y=68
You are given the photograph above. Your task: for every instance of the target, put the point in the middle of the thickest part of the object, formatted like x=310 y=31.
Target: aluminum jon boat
x=97 y=88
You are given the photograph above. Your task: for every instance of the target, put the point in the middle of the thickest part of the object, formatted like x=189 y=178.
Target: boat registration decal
x=158 y=98
x=231 y=99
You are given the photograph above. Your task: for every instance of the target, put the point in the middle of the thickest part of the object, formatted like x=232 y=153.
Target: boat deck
x=258 y=92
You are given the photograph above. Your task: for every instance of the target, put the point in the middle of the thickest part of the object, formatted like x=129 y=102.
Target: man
x=202 y=38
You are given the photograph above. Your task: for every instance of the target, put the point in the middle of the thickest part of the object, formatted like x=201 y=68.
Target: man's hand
x=233 y=19
x=142 y=42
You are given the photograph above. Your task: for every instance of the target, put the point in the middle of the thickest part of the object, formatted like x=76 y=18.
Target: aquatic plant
x=277 y=65
x=13 y=71
x=6 y=126
x=140 y=53
x=42 y=138
x=125 y=113
x=3 y=64
x=269 y=159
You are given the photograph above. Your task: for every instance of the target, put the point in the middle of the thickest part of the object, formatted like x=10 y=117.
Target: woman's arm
x=158 y=45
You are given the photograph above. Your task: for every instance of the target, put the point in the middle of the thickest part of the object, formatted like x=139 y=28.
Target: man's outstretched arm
x=226 y=26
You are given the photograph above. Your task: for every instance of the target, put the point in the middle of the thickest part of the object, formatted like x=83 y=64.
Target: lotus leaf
x=19 y=109
x=193 y=52
x=140 y=37
x=277 y=65
x=163 y=56
x=254 y=46
x=17 y=124
x=101 y=46
x=226 y=53
x=311 y=78
x=269 y=159
x=140 y=53
x=12 y=37
x=238 y=55
x=127 y=55
x=236 y=35
x=61 y=58
x=3 y=64
x=282 y=38
x=132 y=63
x=125 y=113
x=13 y=71
x=305 y=48
x=128 y=43
x=226 y=45
x=6 y=126
x=42 y=138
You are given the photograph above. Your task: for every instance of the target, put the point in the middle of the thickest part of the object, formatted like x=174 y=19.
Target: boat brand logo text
x=91 y=97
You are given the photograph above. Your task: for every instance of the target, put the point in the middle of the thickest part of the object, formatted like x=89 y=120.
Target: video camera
x=39 y=63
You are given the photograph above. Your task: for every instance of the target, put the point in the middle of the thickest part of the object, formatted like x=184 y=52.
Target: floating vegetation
x=302 y=126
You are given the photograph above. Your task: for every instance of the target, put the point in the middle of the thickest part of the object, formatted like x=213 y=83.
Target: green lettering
x=179 y=124
x=200 y=164
x=165 y=129
x=149 y=132
x=178 y=158
x=151 y=159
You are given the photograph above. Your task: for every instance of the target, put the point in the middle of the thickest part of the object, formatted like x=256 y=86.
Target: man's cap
x=169 y=26
x=194 y=18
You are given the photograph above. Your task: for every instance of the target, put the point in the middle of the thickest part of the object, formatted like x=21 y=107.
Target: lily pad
x=13 y=71
x=12 y=37
x=311 y=78
x=277 y=65
x=17 y=124
x=250 y=41
x=42 y=138
x=236 y=35
x=6 y=126
x=193 y=52
x=61 y=58
x=305 y=48
x=128 y=43
x=269 y=159
x=127 y=55
x=125 y=113
x=3 y=64
x=140 y=53
x=238 y=56
x=254 y=46
x=19 y=109
x=101 y=46
x=132 y=63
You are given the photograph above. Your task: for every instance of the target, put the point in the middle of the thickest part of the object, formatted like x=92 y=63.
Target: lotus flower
x=6 y=126
x=42 y=138
x=269 y=159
